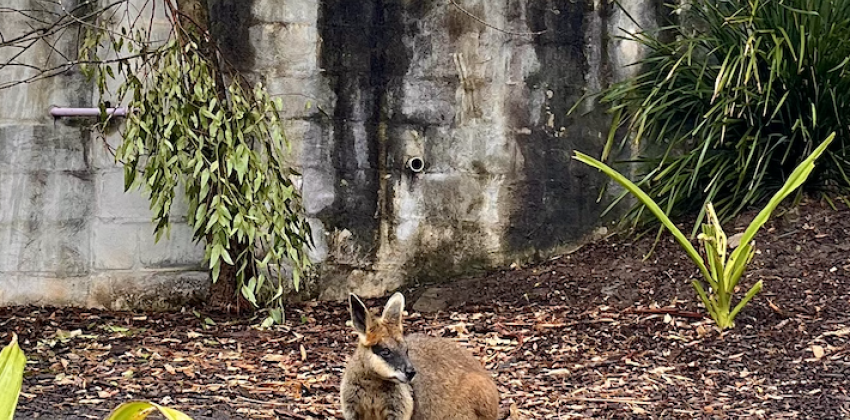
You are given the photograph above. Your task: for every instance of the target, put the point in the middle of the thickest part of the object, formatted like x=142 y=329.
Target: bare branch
x=54 y=30
x=491 y=26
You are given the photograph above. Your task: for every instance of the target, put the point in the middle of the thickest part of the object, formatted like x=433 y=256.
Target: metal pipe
x=58 y=112
x=416 y=164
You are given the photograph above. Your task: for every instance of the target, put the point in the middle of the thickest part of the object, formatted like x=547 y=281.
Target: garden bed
x=600 y=333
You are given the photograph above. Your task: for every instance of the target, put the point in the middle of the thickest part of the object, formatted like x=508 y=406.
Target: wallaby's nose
x=410 y=373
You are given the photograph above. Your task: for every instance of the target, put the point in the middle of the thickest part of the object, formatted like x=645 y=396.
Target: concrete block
x=481 y=148
x=41 y=147
x=103 y=159
x=316 y=148
x=319 y=252
x=176 y=250
x=306 y=11
x=318 y=189
x=113 y=202
x=23 y=289
x=45 y=196
x=285 y=11
x=269 y=11
x=103 y=152
x=302 y=97
x=296 y=131
x=336 y=285
x=291 y=49
x=428 y=101
x=50 y=248
x=148 y=291
x=115 y=245
x=33 y=100
x=179 y=206
x=456 y=197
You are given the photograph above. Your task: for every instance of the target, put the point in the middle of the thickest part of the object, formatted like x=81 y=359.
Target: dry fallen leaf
x=274 y=358
x=734 y=240
x=558 y=372
x=817 y=351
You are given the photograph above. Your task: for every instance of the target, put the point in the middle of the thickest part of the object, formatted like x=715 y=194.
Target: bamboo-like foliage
x=735 y=101
x=719 y=272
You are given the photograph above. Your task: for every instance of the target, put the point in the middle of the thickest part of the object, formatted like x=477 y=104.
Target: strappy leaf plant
x=721 y=269
x=728 y=101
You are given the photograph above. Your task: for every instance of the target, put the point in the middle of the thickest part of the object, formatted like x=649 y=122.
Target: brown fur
x=449 y=384
x=368 y=397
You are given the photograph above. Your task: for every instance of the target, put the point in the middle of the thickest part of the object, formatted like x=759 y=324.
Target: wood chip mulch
x=600 y=333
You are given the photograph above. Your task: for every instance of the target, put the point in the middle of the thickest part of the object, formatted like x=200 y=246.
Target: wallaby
x=393 y=377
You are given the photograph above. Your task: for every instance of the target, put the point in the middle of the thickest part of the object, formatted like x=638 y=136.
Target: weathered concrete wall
x=366 y=85
x=370 y=84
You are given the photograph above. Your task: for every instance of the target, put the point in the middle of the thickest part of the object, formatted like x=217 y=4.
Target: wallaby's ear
x=359 y=313
x=394 y=309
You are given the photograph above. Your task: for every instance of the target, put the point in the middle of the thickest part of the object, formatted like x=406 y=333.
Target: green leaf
x=268 y=322
x=651 y=205
x=12 y=363
x=249 y=294
x=216 y=271
x=215 y=253
x=225 y=255
x=795 y=180
x=138 y=410
x=752 y=292
x=709 y=305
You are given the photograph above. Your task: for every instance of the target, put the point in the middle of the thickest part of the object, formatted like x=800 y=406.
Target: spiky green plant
x=726 y=106
x=719 y=272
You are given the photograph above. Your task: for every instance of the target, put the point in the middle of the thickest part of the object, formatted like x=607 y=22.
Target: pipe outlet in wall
x=415 y=164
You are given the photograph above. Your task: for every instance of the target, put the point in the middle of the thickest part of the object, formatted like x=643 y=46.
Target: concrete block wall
x=69 y=234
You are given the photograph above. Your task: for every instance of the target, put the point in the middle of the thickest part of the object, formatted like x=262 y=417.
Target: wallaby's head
x=381 y=345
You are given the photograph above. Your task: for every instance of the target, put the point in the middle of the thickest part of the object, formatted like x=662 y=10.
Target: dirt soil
x=575 y=337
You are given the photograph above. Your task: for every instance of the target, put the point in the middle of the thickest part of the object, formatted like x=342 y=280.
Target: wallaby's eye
x=382 y=351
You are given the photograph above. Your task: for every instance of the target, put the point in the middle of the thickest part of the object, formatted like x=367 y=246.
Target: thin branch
x=46 y=73
x=52 y=32
x=504 y=31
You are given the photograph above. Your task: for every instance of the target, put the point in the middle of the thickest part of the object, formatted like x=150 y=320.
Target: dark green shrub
x=732 y=103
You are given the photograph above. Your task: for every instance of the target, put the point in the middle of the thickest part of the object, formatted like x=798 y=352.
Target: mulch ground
x=600 y=333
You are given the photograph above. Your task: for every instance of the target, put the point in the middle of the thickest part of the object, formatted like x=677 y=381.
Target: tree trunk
x=193 y=17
